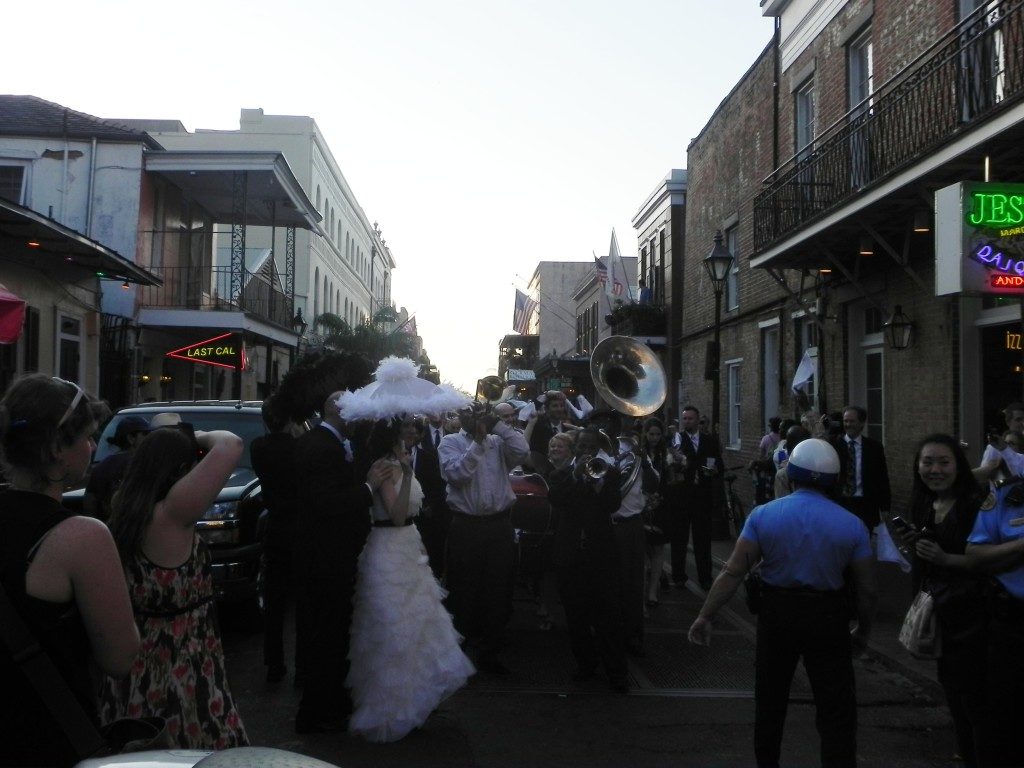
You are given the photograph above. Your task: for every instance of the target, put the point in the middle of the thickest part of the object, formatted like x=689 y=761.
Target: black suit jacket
x=874 y=477
x=333 y=518
x=708 y=447
x=427 y=468
x=273 y=461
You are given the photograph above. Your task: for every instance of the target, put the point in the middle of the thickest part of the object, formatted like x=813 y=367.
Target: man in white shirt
x=475 y=462
x=998 y=450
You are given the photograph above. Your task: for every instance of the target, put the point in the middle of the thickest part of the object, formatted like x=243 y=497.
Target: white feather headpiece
x=397 y=390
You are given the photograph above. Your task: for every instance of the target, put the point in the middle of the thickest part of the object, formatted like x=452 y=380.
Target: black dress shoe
x=321 y=724
x=491 y=666
x=276 y=673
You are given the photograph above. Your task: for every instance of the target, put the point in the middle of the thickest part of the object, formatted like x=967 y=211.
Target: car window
x=247 y=426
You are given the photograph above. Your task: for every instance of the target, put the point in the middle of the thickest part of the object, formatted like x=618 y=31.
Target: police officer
x=996 y=545
x=806 y=544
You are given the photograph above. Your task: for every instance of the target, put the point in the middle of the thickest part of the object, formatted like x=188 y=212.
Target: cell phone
x=902 y=525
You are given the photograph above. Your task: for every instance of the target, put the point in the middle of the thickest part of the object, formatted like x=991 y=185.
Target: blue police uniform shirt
x=1004 y=522
x=806 y=540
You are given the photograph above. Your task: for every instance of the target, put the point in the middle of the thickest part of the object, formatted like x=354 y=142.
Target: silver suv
x=233 y=526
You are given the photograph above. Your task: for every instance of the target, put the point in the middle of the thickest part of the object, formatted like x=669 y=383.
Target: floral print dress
x=179 y=673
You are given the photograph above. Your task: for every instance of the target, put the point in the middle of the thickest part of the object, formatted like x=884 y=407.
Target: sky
x=483 y=136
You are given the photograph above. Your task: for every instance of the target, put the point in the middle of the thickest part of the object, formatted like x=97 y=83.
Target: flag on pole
x=525 y=307
x=804 y=372
x=616 y=272
x=601 y=271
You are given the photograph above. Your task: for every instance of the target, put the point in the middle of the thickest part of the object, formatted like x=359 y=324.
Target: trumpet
x=595 y=467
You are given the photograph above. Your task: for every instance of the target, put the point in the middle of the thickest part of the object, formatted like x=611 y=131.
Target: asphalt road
x=687 y=706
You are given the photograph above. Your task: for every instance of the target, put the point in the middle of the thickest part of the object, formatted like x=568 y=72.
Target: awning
x=272 y=195
x=29 y=238
x=12 y=316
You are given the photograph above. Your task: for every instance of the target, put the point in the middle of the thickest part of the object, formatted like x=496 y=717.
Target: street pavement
x=687 y=705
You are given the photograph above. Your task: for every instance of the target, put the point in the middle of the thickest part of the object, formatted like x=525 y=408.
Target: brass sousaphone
x=628 y=375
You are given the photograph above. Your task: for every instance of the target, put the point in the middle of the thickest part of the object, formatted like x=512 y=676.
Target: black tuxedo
x=273 y=461
x=435 y=516
x=332 y=525
x=877 y=495
x=697 y=507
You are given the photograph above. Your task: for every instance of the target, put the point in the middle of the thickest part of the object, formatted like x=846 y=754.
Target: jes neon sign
x=995 y=209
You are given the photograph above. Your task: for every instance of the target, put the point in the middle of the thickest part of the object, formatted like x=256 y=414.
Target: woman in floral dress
x=179 y=674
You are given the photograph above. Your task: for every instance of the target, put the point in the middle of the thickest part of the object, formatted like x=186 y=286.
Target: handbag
x=920 y=631
x=127 y=735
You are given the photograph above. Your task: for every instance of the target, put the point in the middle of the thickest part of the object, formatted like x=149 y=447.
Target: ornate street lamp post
x=717 y=263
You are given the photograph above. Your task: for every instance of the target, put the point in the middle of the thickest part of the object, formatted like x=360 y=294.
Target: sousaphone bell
x=628 y=375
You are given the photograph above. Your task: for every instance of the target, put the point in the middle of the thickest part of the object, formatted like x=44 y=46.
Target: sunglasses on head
x=79 y=392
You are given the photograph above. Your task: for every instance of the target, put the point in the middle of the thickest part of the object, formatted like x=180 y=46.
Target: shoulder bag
x=127 y=735
x=920 y=631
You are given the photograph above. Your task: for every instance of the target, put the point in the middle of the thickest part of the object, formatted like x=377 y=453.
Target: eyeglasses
x=79 y=392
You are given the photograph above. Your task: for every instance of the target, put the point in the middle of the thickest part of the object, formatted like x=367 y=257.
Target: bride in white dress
x=405 y=655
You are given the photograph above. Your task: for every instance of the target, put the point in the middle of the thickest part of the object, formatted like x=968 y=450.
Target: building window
x=69 y=347
x=806 y=338
x=316 y=293
x=8 y=364
x=732 y=286
x=733 y=398
x=803 y=118
x=770 y=368
x=860 y=86
x=658 y=288
x=12 y=183
x=30 y=340
x=874 y=399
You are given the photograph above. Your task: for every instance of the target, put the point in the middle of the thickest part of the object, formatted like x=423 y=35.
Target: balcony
x=970 y=74
x=638 y=320
x=209 y=288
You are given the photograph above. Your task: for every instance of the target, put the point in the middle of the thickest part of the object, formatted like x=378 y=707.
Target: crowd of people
x=391 y=525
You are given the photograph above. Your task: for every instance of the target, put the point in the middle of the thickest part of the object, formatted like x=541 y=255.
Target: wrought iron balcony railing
x=638 y=320
x=209 y=288
x=973 y=71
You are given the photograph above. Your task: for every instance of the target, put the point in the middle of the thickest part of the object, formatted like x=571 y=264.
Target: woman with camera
x=60 y=572
x=944 y=506
x=179 y=674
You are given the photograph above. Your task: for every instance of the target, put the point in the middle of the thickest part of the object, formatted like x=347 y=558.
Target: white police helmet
x=814 y=462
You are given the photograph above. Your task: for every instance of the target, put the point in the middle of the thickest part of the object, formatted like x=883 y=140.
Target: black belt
x=389 y=524
x=803 y=591
x=629 y=519
x=174 y=612
x=493 y=515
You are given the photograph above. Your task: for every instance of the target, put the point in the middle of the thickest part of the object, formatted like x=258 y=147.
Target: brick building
x=821 y=168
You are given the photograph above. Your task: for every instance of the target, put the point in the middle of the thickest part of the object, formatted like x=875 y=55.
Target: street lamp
x=899 y=329
x=718 y=264
x=299 y=326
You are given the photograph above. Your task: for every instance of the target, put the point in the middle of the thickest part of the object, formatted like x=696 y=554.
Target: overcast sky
x=483 y=136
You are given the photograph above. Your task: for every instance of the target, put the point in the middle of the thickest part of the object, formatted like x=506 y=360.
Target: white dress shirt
x=477 y=473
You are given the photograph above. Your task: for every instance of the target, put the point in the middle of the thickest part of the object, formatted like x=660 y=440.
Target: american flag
x=601 y=271
x=525 y=307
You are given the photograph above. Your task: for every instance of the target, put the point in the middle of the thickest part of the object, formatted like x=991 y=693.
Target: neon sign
x=229 y=353
x=992 y=210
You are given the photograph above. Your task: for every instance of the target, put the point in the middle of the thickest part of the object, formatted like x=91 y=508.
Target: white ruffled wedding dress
x=405 y=655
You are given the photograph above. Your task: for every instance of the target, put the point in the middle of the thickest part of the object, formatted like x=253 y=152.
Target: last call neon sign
x=225 y=354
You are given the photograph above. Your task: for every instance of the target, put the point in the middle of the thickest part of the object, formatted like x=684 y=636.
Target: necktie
x=437 y=437
x=851 y=475
x=695 y=439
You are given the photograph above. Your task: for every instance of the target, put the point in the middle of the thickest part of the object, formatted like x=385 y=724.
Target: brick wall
x=726 y=164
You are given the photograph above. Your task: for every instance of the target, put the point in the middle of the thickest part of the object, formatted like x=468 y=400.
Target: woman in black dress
x=61 y=571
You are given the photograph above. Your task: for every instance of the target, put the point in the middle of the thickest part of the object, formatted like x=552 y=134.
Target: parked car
x=233 y=526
